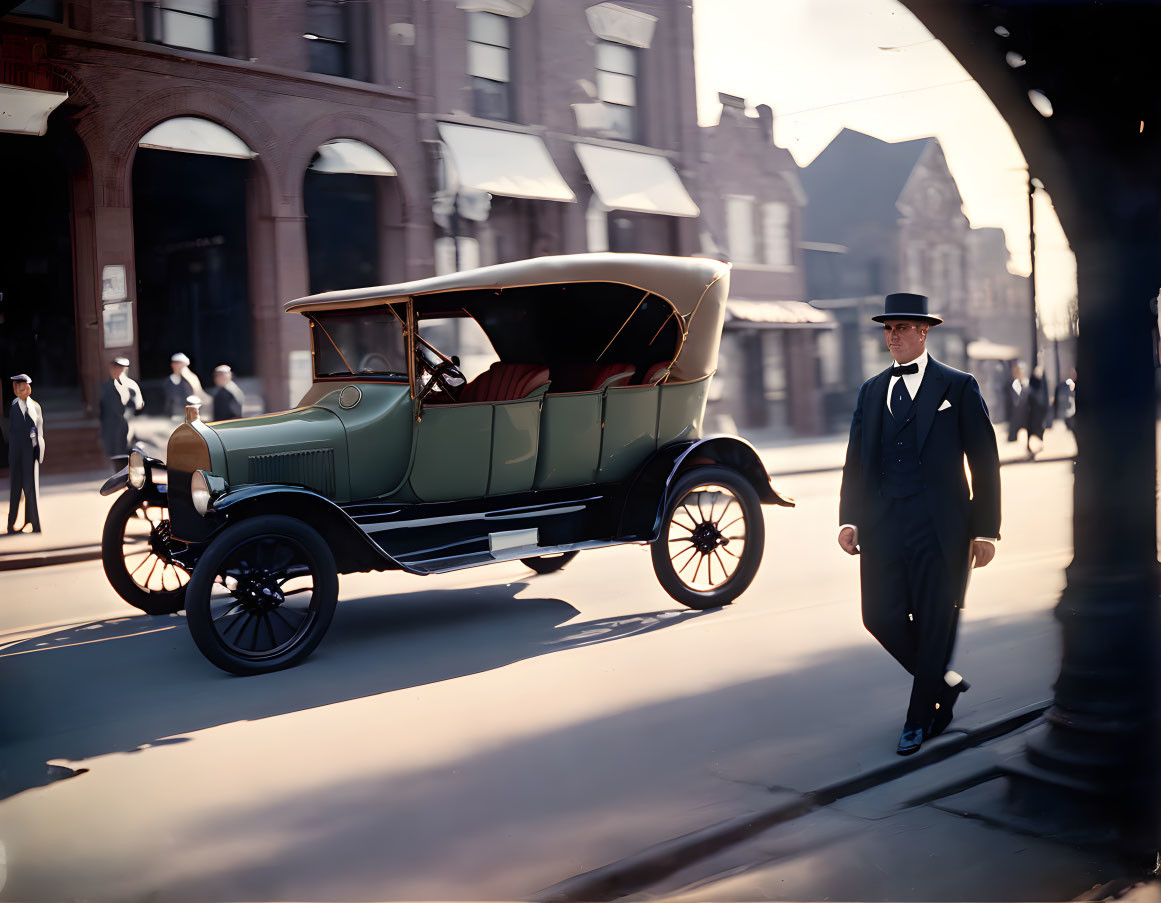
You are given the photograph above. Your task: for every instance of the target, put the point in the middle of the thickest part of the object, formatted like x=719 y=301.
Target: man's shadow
x=122 y=684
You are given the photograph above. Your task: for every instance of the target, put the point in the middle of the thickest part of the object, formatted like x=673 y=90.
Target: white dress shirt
x=912 y=380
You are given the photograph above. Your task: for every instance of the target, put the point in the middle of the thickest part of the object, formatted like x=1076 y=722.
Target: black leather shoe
x=910 y=740
x=943 y=714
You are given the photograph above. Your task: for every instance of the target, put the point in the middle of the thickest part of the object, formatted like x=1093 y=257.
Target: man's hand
x=982 y=552
x=848 y=539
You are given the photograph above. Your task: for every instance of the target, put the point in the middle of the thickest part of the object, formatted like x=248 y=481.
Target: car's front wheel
x=712 y=537
x=262 y=595
x=136 y=552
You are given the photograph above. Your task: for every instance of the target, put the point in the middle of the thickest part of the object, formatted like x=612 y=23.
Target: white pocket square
x=943 y=407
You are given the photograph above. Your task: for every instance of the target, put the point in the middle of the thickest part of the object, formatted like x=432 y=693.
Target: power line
x=843 y=103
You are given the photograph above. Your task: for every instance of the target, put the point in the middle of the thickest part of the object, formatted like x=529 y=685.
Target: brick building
x=187 y=166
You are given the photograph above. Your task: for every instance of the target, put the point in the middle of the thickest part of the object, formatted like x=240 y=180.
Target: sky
x=821 y=65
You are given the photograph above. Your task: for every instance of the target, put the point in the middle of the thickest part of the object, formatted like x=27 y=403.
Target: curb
x=634 y=874
x=838 y=467
x=16 y=561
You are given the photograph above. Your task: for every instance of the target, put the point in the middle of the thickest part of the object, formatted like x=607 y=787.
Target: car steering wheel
x=447 y=376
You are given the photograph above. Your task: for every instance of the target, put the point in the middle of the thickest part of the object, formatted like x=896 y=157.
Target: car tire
x=132 y=554
x=239 y=588
x=693 y=537
x=548 y=564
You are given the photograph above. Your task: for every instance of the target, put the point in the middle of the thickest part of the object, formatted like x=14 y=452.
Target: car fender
x=353 y=549
x=647 y=496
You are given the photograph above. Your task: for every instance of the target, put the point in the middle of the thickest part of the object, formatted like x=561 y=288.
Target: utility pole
x=1032 y=185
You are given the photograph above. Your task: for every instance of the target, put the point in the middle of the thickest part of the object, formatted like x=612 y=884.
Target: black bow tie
x=904 y=369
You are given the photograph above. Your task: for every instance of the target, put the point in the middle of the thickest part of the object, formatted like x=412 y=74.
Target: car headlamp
x=204 y=488
x=138 y=470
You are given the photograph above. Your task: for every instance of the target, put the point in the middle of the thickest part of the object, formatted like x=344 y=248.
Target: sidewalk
x=72 y=511
x=936 y=826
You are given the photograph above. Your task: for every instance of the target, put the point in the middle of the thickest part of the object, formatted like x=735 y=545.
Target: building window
x=327 y=33
x=776 y=249
x=740 y=229
x=184 y=23
x=617 y=88
x=489 y=65
x=39 y=9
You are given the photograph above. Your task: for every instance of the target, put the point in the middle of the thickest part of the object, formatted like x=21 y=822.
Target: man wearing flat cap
x=119 y=401
x=181 y=384
x=25 y=453
x=227 y=396
x=906 y=508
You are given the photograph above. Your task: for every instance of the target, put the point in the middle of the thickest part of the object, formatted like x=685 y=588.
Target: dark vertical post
x=1032 y=274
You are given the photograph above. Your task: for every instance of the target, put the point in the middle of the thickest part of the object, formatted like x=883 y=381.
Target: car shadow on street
x=121 y=684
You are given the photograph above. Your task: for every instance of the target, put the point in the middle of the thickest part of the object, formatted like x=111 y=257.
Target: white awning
x=628 y=180
x=24 y=111
x=987 y=350
x=513 y=164
x=346 y=155
x=776 y=315
x=194 y=135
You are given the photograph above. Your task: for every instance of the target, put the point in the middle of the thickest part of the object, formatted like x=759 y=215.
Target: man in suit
x=119 y=401
x=906 y=508
x=25 y=453
x=227 y=397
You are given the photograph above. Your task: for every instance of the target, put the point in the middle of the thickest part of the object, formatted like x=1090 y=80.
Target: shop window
x=39 y=9
x=617 y=73
x=194 y=24
x=776 y=234
x=489 y=65
x=740 y=229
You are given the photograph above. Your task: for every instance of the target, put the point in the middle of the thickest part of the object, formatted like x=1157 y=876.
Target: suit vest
x=899 y=457
x=20 y=437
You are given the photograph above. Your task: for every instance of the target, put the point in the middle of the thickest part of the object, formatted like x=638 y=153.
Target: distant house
x=751 y=215
x=882 y=217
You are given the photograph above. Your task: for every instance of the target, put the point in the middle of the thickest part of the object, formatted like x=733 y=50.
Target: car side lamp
x=204 y=487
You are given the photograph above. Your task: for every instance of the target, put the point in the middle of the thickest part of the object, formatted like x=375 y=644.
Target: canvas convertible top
x=695 y=289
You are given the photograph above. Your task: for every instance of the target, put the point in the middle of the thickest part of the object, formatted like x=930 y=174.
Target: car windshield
x=364 y=342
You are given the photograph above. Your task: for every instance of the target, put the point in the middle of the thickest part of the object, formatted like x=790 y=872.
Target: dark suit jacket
x=943 y=438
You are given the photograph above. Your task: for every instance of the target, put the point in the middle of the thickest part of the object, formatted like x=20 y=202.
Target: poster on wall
x=117 y=324
x=113 y=284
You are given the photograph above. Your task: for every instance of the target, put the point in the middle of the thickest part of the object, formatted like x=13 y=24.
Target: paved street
x=479 y=735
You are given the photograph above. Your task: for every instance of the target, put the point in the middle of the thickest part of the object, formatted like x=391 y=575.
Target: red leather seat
x=590 y=377
x=505 y=381
x=655 y=373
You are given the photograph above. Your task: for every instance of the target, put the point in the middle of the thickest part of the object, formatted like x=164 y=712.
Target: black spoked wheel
x=262 y=595
x=136 y=550
x=711 y=538
x=548 y=564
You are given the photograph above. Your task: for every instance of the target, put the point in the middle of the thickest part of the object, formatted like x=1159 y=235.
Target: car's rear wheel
x=548 y=564
x=136 y=549
x=712 y=537
x=262 y=595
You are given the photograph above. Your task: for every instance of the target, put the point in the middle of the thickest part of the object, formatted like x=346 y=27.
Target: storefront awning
x=24 y=111
x=514 y=164
x=984 y=350
x=776 y=315
x=629 y=180
x=194 y=135
x=346 y=155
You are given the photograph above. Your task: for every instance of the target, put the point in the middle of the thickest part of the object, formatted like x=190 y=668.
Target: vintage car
x=584 y=430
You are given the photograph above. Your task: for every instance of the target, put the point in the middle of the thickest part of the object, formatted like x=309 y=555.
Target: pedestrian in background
x=119 y=400
x=227 y=396
x=181 y=384
x=906 y=508
x=25 y=454
x=1037 y=410
x=1066 y=400
x=1017 y=403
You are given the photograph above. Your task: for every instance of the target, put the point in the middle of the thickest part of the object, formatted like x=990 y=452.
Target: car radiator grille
x=314 y=469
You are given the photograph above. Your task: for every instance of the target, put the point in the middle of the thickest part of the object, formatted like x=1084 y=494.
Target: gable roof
x=857 y=179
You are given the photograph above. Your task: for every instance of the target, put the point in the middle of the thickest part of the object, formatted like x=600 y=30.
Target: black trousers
x=24 y=477
x=910 y=600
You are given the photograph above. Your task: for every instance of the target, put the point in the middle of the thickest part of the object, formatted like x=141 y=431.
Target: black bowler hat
x=906 y=306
